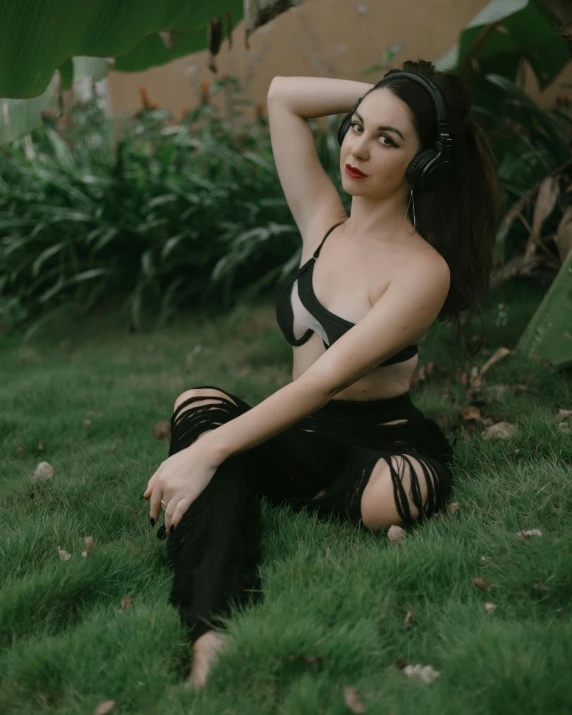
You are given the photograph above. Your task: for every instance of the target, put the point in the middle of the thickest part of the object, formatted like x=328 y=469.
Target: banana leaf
x=502 y=33
x=38 y=36
x=48 y=44
x=549 y=332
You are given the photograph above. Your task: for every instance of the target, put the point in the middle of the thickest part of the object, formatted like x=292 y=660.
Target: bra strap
x=317 y=251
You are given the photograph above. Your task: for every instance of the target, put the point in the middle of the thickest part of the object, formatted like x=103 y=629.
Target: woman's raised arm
x=312 y=197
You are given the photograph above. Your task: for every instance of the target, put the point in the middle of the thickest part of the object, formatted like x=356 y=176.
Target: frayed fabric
x=215 y=550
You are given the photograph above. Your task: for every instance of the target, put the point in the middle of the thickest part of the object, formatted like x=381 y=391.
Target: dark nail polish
x=161 y=532
x=152 y=521
x=172 y=529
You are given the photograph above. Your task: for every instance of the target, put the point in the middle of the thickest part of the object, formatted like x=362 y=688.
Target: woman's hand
x=179 y=481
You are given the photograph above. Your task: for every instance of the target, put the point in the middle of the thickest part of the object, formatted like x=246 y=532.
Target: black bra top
x=333 y=325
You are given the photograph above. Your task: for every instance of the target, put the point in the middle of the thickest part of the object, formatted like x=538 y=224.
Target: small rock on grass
x=530 y=532
x=423 y=672
x=396 y=534
x=44 y=470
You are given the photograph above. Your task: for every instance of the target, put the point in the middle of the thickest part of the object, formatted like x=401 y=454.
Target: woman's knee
x=379 y=509
x=206 y=392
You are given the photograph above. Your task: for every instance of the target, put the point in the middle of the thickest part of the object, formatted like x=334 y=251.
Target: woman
x=343 y=438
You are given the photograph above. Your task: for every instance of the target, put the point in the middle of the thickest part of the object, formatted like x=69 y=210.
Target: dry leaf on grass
x=44 y=470
x=162 y=430
x=564 y=414
x=530 y=532
x=423 y=672
x=541 y=586
x=396 y=534
x=353 y=700
x=489 y=607
x=472 y=412
x=125 y=603
x=565 y=427
x=105 y=707
x=477 y=375
x=88 y=545
x=409 y=616
x=86 y=423
x=501 y=430
x=481 y=584
x=64 y=555
x=41 y=446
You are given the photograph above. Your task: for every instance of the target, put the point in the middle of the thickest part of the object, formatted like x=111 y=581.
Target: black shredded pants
x=215 y=549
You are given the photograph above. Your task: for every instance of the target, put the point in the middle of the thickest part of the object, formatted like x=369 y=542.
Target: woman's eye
x=389 y=139
x=385 y=136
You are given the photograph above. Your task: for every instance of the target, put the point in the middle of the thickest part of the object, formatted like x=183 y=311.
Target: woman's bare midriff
x=348 y=278
x=381 y=383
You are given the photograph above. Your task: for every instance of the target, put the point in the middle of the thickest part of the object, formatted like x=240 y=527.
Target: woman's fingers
x=155 y=503
x=175 y=510
x=150 y=484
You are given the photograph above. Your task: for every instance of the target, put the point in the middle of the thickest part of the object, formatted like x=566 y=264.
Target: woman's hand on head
x=179 y=481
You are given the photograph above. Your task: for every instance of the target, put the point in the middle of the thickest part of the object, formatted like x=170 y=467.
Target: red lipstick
x=354 y=173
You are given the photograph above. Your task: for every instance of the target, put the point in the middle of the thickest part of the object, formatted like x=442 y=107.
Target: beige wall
x=330 y=38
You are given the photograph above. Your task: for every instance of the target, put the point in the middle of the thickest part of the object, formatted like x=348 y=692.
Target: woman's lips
x=354 y=175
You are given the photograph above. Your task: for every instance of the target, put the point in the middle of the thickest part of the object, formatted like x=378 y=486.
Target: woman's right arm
x=311 y=97
x=312 y=198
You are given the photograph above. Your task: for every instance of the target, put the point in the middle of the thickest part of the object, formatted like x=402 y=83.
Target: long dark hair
x=459 y=219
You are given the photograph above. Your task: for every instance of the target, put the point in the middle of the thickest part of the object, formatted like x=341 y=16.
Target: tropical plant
x=169 y=214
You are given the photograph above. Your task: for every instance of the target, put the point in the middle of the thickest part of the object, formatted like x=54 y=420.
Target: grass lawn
x=336 y=598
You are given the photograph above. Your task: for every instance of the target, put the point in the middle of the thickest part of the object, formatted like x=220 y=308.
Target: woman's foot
x=205 y=651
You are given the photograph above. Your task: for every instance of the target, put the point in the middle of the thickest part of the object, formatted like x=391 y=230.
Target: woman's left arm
x=184 y=475
x=407 y=308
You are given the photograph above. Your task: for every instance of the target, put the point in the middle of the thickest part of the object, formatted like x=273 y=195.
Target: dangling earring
x=407 y=210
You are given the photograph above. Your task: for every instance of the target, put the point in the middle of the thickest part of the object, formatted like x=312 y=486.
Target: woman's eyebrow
x=383 y=127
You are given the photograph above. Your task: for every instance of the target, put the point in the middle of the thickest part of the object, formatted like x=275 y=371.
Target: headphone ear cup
x=343 y=128
x=415 y=170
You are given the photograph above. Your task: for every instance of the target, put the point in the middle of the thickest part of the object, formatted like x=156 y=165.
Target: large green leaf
x=549 y=333
x=38 y=36
x=525 y=29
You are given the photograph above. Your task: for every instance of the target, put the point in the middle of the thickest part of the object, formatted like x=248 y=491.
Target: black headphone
x=431 y=167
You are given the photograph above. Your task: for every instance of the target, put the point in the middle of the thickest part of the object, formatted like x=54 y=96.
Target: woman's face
x=381 y=142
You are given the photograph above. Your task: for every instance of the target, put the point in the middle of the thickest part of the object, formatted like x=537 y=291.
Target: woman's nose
x=359 y=148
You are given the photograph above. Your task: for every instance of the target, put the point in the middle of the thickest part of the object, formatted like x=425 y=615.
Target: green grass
x=331 y=591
